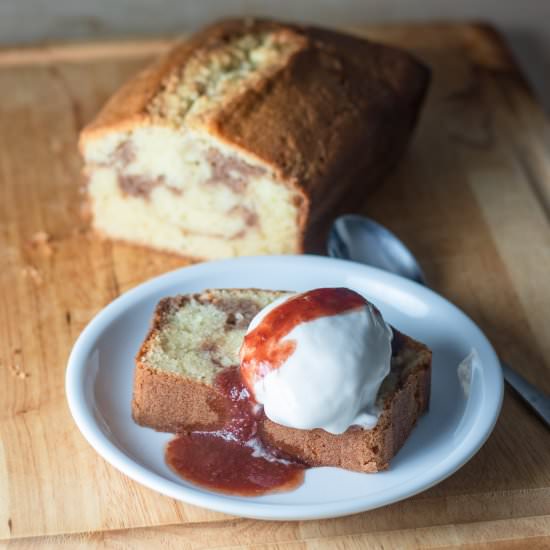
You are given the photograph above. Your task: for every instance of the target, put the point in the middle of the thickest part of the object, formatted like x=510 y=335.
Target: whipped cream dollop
x=317 y=360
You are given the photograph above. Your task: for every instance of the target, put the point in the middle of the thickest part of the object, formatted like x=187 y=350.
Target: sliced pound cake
x=194 y=337
x=239 y=137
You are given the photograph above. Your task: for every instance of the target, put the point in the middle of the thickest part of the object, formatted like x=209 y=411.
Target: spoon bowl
x=365 y=241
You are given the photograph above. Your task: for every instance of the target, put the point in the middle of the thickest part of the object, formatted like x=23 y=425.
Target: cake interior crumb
x=219 y=70
x=202 y=337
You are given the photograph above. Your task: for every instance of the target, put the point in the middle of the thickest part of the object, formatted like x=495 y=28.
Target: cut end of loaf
x=183 y=192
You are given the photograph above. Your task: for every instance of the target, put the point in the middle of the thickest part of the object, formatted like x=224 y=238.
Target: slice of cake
x=195 y=337
x=242 y=136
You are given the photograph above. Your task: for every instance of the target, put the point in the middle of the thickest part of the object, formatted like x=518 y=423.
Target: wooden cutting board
x=471 y=198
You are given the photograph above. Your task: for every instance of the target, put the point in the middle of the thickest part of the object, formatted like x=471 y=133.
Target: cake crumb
x=85 y=210
x=82 y=231
x=16 y=371
x=40 y=237
x=33 y=274
x=465 y=371
x=41 y=240
x=56 y=146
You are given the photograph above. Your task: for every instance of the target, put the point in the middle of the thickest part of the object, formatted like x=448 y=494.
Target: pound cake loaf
x=194 y=337
x=243 y=135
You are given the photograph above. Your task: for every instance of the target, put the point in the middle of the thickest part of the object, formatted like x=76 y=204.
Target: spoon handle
x=538 y=401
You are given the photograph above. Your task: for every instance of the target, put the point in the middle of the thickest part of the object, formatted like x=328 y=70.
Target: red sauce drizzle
x=223 y=460
x=263 y=349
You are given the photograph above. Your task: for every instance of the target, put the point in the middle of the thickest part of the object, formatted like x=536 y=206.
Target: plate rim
x=75 y=389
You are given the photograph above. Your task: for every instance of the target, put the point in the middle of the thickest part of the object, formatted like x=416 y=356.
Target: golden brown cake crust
x=172 y=403
x=337 y=115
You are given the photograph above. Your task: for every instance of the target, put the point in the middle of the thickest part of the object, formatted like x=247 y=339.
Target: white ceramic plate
x=100 y=373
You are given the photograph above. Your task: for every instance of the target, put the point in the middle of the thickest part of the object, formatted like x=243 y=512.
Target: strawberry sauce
x=233 y=459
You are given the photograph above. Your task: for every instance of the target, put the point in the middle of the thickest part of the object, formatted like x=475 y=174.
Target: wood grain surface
x=471 y=198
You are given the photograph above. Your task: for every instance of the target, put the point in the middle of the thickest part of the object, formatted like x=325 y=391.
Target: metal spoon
x=363 y=240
